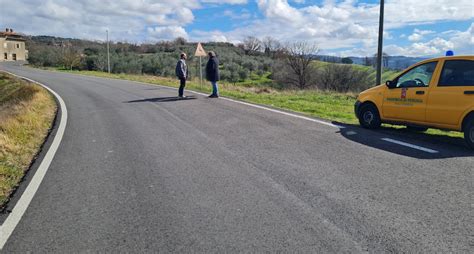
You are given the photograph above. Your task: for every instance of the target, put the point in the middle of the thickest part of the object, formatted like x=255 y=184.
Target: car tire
x=417 y=129
x=469 y=133
x=369 y=116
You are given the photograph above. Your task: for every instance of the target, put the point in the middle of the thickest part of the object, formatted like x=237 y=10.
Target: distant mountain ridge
x=394 y=62
x=390 y=62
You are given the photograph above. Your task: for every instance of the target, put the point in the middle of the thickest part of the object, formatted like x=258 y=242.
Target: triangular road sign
x=200 y=51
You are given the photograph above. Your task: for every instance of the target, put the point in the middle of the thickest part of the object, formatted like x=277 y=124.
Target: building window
x=14 y=57
x=5 y=56
x=17 y=46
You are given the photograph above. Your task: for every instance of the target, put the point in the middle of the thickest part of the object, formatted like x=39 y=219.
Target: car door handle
x=420 y=92
x=468 y=92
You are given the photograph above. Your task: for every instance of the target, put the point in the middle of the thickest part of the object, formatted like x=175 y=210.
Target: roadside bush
x=342 y=78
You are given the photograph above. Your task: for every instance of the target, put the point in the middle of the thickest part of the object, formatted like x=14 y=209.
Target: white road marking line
x=6 y=229
x=265 y=108
x=286 y=113
x=273 y=110
x=410 y=145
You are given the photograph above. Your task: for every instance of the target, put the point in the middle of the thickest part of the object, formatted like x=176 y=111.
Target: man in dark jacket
x=182 y=74
x=212 y=73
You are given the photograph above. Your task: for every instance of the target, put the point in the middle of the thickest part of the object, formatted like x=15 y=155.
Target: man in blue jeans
x=182 y=73
x=212 y=73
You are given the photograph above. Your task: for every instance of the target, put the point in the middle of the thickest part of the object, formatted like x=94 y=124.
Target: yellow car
x=436 y=93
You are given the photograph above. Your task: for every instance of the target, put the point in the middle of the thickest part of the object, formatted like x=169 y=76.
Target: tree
x=180 y=41
x=70 y=56
x=347 y=60
x=251 y=45
x=342 y=78
x=385 y=59
x=250 y=65
x=243 y=74
x=368 y=61
x=270 y=45
x=298 y=57
x=233 y=68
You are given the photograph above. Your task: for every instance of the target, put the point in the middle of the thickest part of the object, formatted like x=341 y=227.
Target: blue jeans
x=182 y=84
x=215 y=89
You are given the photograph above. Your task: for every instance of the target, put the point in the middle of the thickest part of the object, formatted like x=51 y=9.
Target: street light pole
x=380 y=45
x=108 y=54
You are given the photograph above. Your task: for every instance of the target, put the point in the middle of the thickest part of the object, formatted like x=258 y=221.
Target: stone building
x=12 y=46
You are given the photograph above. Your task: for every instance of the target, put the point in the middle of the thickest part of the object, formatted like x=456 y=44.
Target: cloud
x=348 y=25
x=166 y=33
x=126 y=20
x=336 y=25
x=244 y=14
x=225 y=1
x=405 y=12
x=279 y=11
x=418 y=34
x=462 y=42
x=206 y=36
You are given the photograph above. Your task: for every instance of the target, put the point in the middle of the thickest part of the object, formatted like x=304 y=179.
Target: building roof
x=12 y=36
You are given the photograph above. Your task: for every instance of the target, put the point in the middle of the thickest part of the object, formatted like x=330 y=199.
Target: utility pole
x=108 y=53
x=380 y=46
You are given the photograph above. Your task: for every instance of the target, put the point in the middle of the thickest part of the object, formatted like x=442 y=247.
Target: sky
x=343 y=28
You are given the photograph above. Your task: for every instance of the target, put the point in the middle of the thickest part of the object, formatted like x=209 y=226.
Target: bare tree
x=70 y=56
x=298 y=58
x=271 y=45
x=252 y=44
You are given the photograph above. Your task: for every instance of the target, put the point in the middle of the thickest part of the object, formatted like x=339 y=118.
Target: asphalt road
x=139 y=171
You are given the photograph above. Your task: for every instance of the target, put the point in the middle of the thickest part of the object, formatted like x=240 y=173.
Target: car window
x=457 y=73
x=419 y=76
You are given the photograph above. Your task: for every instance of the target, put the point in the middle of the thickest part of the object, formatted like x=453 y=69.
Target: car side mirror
x=390 y=84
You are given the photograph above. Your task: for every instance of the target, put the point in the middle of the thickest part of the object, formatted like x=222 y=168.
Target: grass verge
x=27 y=112
x=321 y=104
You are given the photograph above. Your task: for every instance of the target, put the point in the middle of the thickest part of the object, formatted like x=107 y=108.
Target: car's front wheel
x=469 y=133
x=369 y=116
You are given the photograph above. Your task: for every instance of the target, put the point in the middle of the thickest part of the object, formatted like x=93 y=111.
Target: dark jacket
x=182 y=69
x=212 y=69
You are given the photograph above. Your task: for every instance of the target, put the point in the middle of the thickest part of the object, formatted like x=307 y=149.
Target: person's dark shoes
x=213 y=96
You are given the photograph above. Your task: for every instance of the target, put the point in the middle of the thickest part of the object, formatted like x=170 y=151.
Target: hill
x=393 y=62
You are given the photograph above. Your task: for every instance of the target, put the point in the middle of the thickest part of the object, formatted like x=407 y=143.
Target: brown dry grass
x=26 y=115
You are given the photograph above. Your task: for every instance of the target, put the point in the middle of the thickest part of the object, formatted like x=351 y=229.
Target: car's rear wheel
x=417 y=128
x=469 y=133
x=369 y=116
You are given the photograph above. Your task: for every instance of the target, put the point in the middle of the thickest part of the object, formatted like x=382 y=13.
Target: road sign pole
x=200 y=52
x=200 y=70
